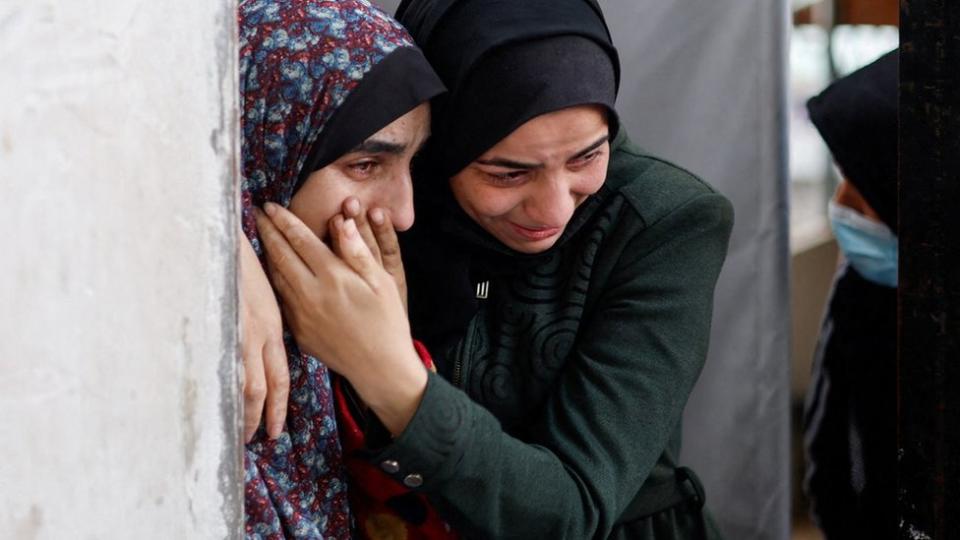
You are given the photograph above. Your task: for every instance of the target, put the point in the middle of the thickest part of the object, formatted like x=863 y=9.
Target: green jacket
x=566 y=392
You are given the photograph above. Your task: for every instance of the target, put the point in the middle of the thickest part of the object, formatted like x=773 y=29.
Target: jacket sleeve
x=636 y=358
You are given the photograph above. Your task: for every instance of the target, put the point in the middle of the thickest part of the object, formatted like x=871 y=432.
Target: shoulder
x=651 y=206
x=656 y=188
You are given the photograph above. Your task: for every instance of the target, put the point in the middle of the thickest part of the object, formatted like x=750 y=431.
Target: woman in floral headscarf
x=334 y=105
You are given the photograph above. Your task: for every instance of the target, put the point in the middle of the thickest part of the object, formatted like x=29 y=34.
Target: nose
x=398 y=199
x=551 y=202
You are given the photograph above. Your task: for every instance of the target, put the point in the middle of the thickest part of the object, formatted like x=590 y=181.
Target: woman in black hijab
x=562 y=279
x=851 y=410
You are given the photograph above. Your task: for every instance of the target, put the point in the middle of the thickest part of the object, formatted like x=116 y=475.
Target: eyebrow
x=374 y=146
x=597 y=144
x=511 y=164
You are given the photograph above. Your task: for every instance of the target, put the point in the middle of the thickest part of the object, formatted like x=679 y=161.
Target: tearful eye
x=583 y=160
x=363 y=168
x=511 y=177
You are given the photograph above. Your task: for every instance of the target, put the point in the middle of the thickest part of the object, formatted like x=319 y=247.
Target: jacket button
x=413 y=481
x=390 y=466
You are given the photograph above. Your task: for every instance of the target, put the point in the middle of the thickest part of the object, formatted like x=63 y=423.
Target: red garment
x=384 y=508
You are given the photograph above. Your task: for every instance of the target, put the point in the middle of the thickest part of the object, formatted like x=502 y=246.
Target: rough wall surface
x=118 y=378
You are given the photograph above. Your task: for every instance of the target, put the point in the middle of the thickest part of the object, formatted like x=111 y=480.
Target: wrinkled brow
x=511 y=164
x=374 y=146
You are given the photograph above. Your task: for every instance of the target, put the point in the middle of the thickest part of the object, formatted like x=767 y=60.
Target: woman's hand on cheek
x=266 y=377
x=378 y=233
x=346 y=311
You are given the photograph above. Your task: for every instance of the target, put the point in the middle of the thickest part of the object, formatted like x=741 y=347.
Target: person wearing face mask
x=850 y=413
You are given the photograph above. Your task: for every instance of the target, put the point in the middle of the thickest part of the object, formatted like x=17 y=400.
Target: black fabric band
x=395 y=86
x=857 y=116
x=456 y=34
x=517 y=83
x=505 y=62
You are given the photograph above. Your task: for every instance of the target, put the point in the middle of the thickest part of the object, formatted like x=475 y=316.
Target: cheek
x=314 y=213
x=392 y=191
x=490 y=202
x=593 y=180
x=317 y=202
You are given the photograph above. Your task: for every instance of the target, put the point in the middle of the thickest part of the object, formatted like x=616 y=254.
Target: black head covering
x=506 y=62
x=857 y=117
x=392 y=88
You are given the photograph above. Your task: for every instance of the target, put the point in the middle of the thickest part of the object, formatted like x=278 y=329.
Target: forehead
x=412 y=127
x=565 y=130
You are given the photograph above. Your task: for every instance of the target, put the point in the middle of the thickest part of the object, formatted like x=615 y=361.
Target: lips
x=534 y=233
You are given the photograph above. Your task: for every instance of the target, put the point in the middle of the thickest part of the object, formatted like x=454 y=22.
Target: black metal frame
x=929 y=291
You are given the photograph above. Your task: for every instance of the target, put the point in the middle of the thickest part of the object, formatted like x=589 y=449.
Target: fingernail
x=350 y=228
x=376 y=216
x=353 y=206
x=270 y=209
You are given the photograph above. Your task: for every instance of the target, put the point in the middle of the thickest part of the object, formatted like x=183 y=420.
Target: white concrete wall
x=118 y=375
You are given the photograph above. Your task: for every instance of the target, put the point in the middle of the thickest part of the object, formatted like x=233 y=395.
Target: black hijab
x=504 y=62
x=395 y=86
x=857 y=117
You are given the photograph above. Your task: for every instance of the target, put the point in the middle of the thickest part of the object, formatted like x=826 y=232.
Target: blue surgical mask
x=869 y=246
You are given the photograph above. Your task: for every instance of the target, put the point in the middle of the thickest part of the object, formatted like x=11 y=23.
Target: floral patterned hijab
x=317 y=77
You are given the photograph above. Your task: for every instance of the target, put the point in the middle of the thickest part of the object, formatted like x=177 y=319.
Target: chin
x=531 y=248
x=521 y=245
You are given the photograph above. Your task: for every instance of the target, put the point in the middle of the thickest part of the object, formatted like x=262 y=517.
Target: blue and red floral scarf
x=299 y=61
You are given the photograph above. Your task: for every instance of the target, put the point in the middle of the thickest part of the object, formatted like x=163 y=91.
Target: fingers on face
x=348 y=242
x=355 y=252
x=390 y=250
x=290 y=241
x=366 y=232
x=353 y=209
x=335 y=230
x=386 y=237
x=280 y=254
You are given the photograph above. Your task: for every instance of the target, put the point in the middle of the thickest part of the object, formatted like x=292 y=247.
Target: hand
x=347 y=311
x=266 y=376
x=378 y=233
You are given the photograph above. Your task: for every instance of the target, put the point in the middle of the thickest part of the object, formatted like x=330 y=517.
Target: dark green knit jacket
x=564 y=393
